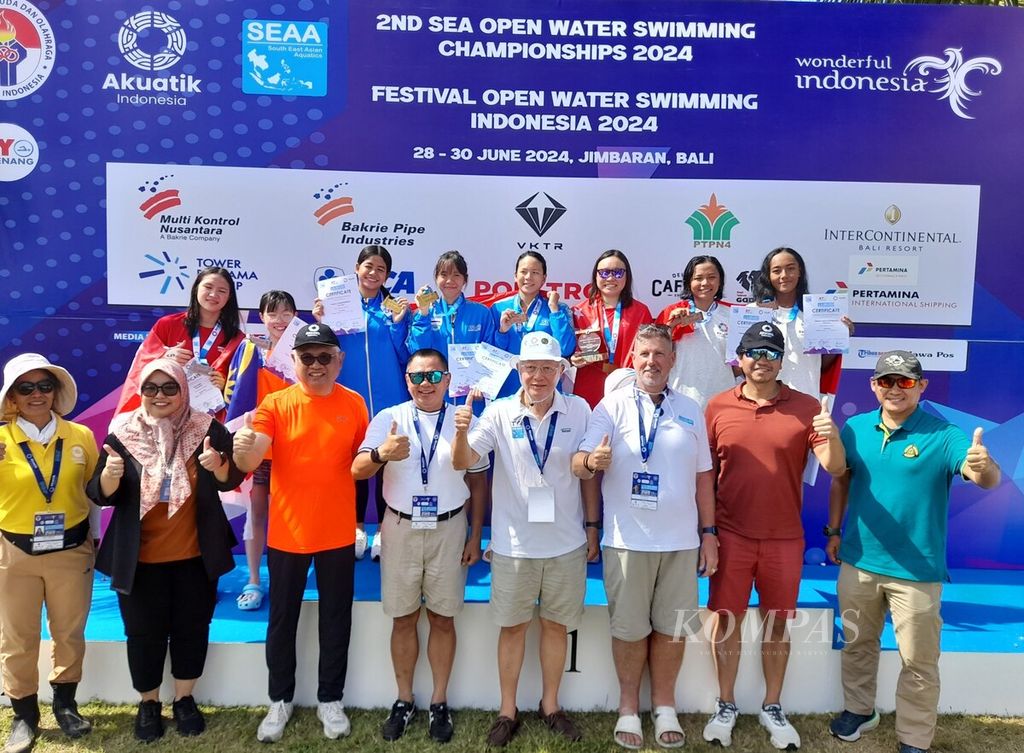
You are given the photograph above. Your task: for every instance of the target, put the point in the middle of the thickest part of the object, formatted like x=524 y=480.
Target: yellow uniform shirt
x=20 y=496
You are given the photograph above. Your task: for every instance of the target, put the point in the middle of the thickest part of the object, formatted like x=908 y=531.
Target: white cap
x=18 y=366
x=618 y=379
x=540 y=346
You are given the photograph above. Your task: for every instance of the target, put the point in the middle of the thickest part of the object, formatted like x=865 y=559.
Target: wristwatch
x=713 y=530
x=375 y=456
x=829 y=532
x=592 y=524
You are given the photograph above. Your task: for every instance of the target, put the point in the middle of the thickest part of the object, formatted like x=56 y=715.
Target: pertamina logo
x=712 y=225
x=27 y=49
x=152 y=41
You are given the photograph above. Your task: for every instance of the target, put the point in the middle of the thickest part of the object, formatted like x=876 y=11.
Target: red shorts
x=773 y=566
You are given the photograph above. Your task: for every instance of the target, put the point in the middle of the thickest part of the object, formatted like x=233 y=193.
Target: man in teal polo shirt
x=901 y=462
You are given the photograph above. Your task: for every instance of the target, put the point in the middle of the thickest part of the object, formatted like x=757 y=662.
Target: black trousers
x=171 y=604
x=334 y=578
x=363 y=497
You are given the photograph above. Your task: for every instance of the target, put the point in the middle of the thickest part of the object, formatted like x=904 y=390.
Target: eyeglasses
x=533 y=370
x=903 y=382
x=46 y=386
x=758 y=354
x=607 y=274
x=170 y=389
x=308 y=359
x=434 y=377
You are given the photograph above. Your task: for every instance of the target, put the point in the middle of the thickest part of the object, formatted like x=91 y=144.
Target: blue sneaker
x=849 y=726
x=904 y=748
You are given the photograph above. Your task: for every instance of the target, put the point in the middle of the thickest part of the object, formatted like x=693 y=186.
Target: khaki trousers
x=863 y=600
x=63 y=582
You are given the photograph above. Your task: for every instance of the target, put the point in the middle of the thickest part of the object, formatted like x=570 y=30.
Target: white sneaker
x=272 y=727
x=783 y=735
x=336 y=723
x=720 y=725
x=360 y=543
x=375 y=549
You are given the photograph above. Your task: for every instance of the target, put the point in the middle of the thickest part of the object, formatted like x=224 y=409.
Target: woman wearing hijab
x=168 y=540
x=46 y=549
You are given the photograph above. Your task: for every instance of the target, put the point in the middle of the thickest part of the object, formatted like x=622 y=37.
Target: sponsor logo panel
x=284 y=58
x=27 y=49
x=19 y=152
x=935 y=355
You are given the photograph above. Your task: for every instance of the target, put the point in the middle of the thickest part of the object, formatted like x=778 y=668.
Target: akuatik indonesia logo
x=152 y=42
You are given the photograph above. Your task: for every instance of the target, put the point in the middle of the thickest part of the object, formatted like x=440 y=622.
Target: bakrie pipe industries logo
x=164 y=56
x=712 y=225
x=171 y=270
x=27 y=49
x=541 y=213
x=333 y=207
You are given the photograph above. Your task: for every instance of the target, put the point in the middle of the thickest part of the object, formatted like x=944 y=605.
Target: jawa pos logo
x=712 y=225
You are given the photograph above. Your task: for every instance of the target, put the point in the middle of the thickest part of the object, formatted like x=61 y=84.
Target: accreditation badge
x=48 y=532
x=424 y=512
x=644 y=494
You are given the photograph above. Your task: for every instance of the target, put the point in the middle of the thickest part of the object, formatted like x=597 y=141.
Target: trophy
x=590 y=347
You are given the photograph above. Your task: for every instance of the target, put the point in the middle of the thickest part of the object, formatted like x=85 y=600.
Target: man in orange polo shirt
x=760 y=434
x=314 y=429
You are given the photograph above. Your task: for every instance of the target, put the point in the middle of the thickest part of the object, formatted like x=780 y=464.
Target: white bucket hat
x=539 y=346
x=65 y=398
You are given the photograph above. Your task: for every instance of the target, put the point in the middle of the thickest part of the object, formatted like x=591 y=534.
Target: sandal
x=629 y=724
x=251 y=598
x=666 y=720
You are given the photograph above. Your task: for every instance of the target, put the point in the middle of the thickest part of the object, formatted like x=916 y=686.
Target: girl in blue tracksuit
x=375 y=359
x=531 y=310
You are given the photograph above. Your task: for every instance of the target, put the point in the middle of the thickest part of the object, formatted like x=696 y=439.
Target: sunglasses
x=434 y=377
x=759 y=354
x=46 y=386
x=170 y=389
x=608 y=274
x=308 y=359
x=903 y=382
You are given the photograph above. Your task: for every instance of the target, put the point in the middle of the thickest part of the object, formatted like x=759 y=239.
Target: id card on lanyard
x=424 y=506
x=47 y=527
x=645 y=488
x=540 y=498
x=202 y=351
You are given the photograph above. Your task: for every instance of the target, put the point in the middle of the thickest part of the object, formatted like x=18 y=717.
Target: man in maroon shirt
x=760 y=434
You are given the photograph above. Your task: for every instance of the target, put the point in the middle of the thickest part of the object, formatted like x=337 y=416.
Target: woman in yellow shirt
x=46 y=547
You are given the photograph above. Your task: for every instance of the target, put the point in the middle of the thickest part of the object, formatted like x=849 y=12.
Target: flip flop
x=629 y=724
x=666 y=720
x=251 y=598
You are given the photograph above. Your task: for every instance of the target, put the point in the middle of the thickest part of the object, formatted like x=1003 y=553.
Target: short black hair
x=430 y=353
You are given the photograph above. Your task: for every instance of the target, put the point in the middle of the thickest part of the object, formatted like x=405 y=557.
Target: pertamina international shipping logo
x=27 y=49
x=152 y=42
x=712 y=225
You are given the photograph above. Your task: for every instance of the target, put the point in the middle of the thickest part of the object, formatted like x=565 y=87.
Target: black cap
x=316 y=334
x=898 y=362
x=762 y=335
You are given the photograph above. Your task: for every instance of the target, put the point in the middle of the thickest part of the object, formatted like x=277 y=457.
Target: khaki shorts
x=422 y=566
x=558 y=583
x=651 y=591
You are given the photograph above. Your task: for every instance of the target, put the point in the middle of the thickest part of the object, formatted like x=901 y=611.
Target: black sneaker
x=149 y=725
x=188 y=717
x=401 y=714
x=849 y=726
x=65 y=711
x=441 y=726
x=904 y=748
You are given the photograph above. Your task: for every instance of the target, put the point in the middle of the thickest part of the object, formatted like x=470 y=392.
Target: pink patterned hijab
x=162 y=445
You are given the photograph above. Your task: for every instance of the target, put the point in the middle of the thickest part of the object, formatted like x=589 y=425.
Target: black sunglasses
x=170 y=389
x=434 y=377
x=763 y=353
x=308 y=359
x=46 y=386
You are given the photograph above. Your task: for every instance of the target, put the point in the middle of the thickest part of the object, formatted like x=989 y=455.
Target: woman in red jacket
x=611 y=314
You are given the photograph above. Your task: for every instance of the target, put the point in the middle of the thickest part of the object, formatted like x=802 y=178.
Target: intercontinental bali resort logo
x=952 y=77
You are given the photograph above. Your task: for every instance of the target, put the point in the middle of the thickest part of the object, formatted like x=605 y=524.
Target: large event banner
x=141 y=141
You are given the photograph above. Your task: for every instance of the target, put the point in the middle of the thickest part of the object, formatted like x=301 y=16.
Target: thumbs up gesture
x=601 y=457
x=464 y=414
x=978 y=459
x=823 y=424
x=210 y=458
x=395 y=447
x=245 y=438
x=114 y=468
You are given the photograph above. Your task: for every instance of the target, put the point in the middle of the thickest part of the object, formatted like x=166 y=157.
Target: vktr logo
x=541 y=213
x=333 y=207
x=158 y=201
x=712 y=225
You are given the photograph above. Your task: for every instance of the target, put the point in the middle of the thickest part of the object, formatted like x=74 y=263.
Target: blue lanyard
x=531 y=313
x=201 y=352
x=47 y=491
x=448 y=313
x=541 y=461
x=790 y=317
x=425 y=460
x=647 y=442
x=611 y=336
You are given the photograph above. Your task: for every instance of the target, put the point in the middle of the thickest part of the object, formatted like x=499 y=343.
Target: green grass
x=233 y=730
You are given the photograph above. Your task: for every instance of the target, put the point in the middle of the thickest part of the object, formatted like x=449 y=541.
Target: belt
x=443 y=516
x=73 y=537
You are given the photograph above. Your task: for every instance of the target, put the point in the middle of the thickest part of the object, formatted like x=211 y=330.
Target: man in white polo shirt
x=540 y=546
x=659 y=529
x=426 y=550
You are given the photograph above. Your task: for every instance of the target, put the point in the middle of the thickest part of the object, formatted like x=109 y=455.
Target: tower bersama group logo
x=133 y=29
x=27 y=49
